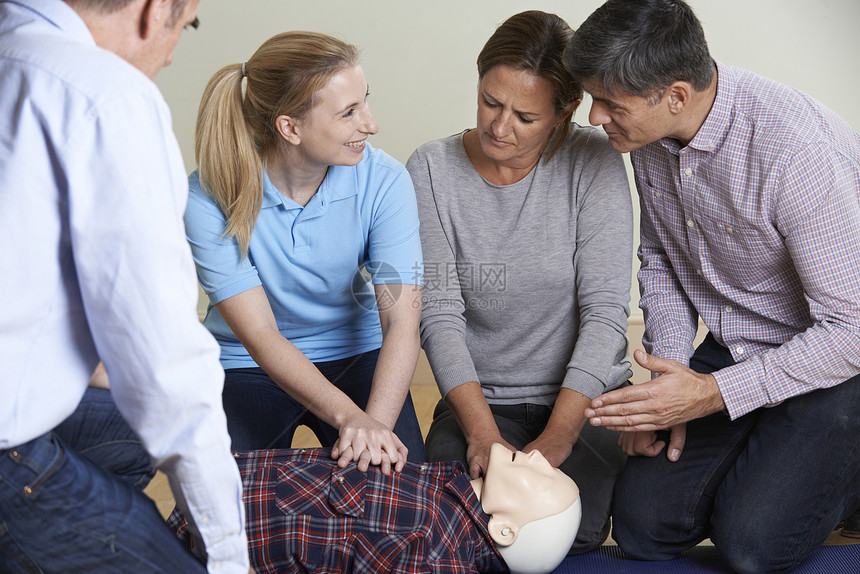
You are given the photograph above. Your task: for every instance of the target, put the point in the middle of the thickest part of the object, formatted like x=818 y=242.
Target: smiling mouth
x=355 y=144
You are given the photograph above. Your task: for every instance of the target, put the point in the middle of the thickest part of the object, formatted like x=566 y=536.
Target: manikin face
x=519 y=488
x=630 y=121
x=337 y=127
x=516 y=115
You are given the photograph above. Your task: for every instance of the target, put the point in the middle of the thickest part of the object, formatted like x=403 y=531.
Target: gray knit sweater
x=526 y=286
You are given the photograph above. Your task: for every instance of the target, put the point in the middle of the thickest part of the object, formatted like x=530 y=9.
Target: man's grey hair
x=110 y=6
x=640 y=47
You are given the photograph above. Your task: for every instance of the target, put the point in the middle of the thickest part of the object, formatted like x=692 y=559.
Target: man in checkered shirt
x=750 y=222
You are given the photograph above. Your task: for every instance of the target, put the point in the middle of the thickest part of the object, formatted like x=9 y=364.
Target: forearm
x=136 y=277
x=819 y=359
x=291 y=370
x=250 y=317
x=557 y=439
x=472 y=412
x=568 y=416
x=397 y=357
x=671 y=320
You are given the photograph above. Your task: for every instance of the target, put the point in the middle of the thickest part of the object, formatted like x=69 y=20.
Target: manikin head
x=534 y=509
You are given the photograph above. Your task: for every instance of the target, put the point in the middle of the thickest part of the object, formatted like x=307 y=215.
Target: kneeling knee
x=637 y=544
x=750 y=560
x=749 y=551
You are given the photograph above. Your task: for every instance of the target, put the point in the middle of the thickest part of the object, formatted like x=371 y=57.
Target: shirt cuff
x=741 y=392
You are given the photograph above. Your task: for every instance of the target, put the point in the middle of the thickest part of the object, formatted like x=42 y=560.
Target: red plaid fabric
x=304 y=514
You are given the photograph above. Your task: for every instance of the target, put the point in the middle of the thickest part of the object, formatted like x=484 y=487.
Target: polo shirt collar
x=340 y=182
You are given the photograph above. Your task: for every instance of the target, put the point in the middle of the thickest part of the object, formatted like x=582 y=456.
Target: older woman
x=526 y=227
x=290 y=209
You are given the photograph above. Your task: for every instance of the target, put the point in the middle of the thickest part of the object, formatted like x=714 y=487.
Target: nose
x=501 y=125
x=368 y=124
x=598 y=115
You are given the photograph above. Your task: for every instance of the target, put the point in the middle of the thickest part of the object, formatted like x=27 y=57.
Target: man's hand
x=676 y=396
x=646 y=444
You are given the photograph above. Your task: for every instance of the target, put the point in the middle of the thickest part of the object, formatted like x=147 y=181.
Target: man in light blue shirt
x=95 y=264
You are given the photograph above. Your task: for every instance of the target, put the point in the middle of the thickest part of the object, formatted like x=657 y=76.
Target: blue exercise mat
x=703 y=559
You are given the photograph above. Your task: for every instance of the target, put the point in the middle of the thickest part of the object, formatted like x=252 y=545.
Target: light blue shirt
x=95 y=264
x=310 y=259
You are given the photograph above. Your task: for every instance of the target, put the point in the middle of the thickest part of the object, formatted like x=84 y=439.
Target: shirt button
x=729 y=309
x=739 y=350
x=690 y=223
x=423 y=468
x=340 y=479
x=204 y=519
x=657 y=194
x=730 y=229
x=688 y=171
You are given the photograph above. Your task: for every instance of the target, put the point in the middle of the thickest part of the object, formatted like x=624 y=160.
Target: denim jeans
x=767 y=488
x=594 y=464
x=261 y=415
x=71 y=501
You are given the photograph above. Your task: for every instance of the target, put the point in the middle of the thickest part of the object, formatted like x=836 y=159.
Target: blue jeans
x=261 y=415
x=594 y=464
x=767 y=488
x=71 y=501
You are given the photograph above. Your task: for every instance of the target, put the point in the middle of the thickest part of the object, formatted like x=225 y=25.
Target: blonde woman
x=290 y=210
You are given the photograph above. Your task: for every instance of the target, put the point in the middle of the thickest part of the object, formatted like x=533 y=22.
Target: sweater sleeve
x=443 y=325
x=602 y=261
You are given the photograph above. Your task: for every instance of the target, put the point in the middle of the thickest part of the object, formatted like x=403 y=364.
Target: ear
x=678 y=96
x=503 y=532
x=287 y=127
x=154 y=14
x=568 y=113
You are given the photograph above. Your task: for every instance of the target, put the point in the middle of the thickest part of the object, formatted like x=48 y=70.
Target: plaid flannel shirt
x=755 y=227
x=304 y=514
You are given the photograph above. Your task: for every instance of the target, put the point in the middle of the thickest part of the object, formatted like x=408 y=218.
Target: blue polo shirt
x=316 y=262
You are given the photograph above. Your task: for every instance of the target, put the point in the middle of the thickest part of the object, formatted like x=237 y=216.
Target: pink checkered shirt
x=755 y=227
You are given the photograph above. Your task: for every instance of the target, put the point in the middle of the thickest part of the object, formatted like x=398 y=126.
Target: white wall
x=419 y=57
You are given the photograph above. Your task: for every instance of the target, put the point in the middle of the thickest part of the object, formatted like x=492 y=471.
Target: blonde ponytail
x=229 y=163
